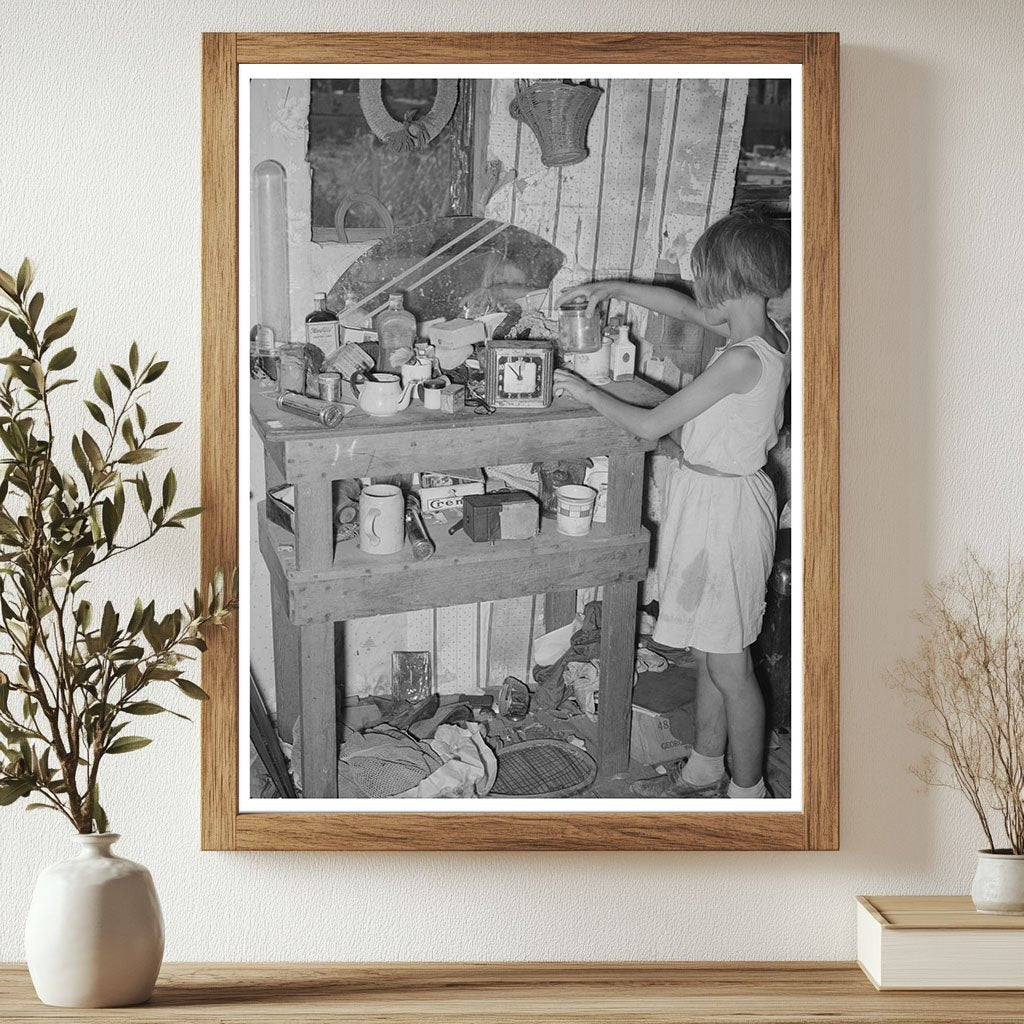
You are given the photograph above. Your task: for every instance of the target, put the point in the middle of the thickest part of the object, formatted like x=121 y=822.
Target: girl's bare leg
x=710 y=736
x=733 y=677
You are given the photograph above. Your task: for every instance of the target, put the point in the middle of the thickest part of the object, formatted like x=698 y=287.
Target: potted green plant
x=966 y=681
x=80 y=671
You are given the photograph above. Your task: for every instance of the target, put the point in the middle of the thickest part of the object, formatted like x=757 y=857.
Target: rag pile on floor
x=451 y=746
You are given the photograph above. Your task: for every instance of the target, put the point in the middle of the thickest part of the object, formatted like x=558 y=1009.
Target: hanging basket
x=558 y=113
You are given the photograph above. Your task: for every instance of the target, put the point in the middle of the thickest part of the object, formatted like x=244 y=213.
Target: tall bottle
x=322 y=328
x=396 y=332
x=622 y=364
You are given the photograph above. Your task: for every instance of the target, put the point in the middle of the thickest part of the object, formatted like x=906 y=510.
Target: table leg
x=314 y=525
x=286 y=661
x=314 y=549
x=618 y=646
x=318 y=696
x=618 y=621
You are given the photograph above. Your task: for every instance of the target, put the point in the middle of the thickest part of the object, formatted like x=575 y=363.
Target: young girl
x=717 y=535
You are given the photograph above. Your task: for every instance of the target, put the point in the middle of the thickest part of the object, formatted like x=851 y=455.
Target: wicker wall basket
x=558 y=113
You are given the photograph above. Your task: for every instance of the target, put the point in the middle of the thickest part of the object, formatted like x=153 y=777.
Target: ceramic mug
x=429 y=392
x=381 y=519
x=575 y=509
x=415 y=373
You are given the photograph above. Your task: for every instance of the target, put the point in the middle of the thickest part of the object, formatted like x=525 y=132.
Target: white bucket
x=575 y=509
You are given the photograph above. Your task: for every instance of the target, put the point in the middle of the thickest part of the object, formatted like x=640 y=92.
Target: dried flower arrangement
x=967 y=682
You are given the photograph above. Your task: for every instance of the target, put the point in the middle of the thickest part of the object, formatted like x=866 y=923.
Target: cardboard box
x=651 y=740
x=447 y=499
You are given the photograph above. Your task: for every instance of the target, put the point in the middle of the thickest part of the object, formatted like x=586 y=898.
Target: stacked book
x=938 y=942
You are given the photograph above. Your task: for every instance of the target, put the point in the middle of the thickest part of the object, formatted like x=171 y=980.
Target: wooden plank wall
x=662 y=166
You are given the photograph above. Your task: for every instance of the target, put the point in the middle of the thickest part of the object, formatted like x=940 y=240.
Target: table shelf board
x=460 y=572
x=421 y=439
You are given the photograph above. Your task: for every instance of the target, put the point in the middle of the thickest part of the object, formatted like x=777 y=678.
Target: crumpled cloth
x=583 y=678
x=469 y=765
x=385 y=761
x=650 y=661
x=585 y=647
x=549 y=647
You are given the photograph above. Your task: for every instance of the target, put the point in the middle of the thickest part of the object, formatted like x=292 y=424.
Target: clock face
x=518 y=375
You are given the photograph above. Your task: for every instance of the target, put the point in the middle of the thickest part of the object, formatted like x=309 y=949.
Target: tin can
x=328 y=387
x=594 y=366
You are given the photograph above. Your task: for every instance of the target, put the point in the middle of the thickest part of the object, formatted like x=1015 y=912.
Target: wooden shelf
x=424 y=439
x=460 y=571
x=523 y=993
x=315 y=584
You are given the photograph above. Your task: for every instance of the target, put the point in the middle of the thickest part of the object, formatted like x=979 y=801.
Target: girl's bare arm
x=655 y=297
x=670 y=302
x=736 y=371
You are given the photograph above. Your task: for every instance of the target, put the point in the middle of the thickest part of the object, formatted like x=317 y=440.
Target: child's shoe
x=674 y=786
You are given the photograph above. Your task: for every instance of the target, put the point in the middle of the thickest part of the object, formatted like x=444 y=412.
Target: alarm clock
x=519 y=374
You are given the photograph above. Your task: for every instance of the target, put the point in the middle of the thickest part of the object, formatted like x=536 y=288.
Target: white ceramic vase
x=95 y=934
x=999 y=883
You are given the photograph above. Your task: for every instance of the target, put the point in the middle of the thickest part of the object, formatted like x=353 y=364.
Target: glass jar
x=291 y=369
x=578 y=332
x=396 y=332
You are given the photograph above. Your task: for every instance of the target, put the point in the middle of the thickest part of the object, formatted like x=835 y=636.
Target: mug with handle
x=381 y=519
x=429 y=392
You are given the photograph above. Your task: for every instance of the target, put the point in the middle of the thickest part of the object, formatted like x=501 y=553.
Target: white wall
x=99 y=181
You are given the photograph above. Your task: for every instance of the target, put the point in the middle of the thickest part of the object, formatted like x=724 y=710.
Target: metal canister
x=326 y=413
x=328 y=387
x=578 y=331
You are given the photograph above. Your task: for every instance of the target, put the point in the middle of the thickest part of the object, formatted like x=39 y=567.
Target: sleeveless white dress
x=717 y=536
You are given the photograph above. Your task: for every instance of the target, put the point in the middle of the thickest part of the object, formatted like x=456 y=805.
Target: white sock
x=701 y=770
x=755 y=792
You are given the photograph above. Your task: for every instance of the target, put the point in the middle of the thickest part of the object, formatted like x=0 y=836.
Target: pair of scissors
x=475 y=398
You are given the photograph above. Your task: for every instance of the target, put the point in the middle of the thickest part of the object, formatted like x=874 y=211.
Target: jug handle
x=368 y=526
x=406 y=397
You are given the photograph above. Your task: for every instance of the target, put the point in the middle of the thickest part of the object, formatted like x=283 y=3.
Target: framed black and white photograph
x=535 y=441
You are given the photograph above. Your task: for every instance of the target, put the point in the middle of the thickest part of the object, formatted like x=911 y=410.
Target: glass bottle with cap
x=396 y=332
x=322 y=328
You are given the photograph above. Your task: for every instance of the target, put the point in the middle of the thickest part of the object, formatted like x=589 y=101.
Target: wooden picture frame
x=816 y=826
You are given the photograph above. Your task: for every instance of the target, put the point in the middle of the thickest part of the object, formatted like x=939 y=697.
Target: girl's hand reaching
x=576 y=387
x=595 y=293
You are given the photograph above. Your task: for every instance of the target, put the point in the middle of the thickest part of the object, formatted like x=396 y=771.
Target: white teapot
x=382 y=394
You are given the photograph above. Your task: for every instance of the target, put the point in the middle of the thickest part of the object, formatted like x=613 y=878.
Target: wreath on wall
x=402 y=136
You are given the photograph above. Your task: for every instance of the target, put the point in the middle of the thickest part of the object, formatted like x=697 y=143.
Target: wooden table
x=525 y=993
x=314 y=586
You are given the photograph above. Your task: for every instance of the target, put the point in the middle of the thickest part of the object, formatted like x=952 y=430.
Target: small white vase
x=999 y=883
x=95 y=934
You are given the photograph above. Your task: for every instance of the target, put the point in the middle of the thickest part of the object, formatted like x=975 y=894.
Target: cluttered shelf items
x=520 y=440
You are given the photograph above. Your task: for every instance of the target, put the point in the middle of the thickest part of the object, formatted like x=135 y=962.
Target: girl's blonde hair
x=744 y=253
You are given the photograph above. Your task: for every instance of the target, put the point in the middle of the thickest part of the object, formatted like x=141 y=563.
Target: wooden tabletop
x=783 y=993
